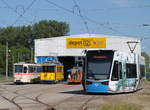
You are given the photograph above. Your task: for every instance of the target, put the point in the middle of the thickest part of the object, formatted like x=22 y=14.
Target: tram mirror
x=25 y=69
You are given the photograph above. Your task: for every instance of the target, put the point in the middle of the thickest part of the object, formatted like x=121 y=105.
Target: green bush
x=148 y=79
x=3 y=78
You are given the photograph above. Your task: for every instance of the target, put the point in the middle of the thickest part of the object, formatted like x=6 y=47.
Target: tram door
x=124 y=79
x=119 y=75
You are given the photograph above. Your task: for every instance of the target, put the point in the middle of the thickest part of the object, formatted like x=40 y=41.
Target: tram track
x=19 y=106
x=41 y=92
x=19 y=95
x=36 y=99
x=23 y=95
x=85 y=98
x=50 y=107
x=13 y=102
x=43 y=98
x=84 y=105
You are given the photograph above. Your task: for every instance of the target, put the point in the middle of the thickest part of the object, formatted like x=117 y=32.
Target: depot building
x=70 y=50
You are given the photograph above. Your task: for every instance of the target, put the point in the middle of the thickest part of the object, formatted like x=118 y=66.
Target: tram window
x=31 y=69
x=25 y=69
x=51 y=69
x=38 y=69
x=115 y=75
x=59 y=69
x=18 y=68
x=48 y=68
x=120 y=70
x=131 y=70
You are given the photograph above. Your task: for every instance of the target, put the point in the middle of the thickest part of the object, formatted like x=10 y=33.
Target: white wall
x=57 y=46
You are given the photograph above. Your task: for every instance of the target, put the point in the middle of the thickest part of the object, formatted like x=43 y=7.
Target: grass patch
x=148 y=79
x=3 y=78
x=120 y=107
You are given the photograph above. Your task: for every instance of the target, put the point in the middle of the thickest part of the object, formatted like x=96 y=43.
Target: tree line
x=20 y=40
x=147 y=61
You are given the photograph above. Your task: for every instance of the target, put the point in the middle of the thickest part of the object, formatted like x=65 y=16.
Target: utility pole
x=6 y=60
x=31 y=54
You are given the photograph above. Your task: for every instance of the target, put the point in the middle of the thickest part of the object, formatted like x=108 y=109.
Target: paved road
x=64 y=97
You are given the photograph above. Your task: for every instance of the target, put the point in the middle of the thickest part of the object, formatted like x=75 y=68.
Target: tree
x=147 y=61
x=21 y=40
x=23 y=34
x=46 y=29
x=2 y=59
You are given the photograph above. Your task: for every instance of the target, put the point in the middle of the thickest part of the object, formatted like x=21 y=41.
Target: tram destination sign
x=85 y=42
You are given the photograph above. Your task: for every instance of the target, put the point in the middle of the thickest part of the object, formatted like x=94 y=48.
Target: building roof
x=90 y=35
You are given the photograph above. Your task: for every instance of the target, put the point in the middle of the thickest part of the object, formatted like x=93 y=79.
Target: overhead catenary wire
x=20 y=15
x=145 y=38
x=96 y=9
x=20 y=7
x=87 y=18
x=24 y=11
x=82 y=17
x=106 y=25
x=118 y=8
x=14 y=10
x=30 y=5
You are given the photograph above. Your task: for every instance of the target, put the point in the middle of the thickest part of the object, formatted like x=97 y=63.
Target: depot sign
x=85 y=42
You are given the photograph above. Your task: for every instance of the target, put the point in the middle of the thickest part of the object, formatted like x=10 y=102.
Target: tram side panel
x=47 y=76
x=52 y=73
x=59 y=72
x=26 y=78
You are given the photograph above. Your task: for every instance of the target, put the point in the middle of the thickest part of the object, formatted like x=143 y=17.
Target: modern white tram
x=26 y=72
x=109 y=71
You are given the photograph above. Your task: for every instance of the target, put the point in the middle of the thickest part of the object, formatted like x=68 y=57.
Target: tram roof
x=22 y=63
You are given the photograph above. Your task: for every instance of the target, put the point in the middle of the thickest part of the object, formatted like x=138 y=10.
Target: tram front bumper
x=97 y=87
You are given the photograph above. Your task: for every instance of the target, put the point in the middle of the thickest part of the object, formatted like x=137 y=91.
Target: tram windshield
x=18 y=68
x=99 y=65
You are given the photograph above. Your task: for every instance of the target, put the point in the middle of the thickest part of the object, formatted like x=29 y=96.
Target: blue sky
x=108 y=17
